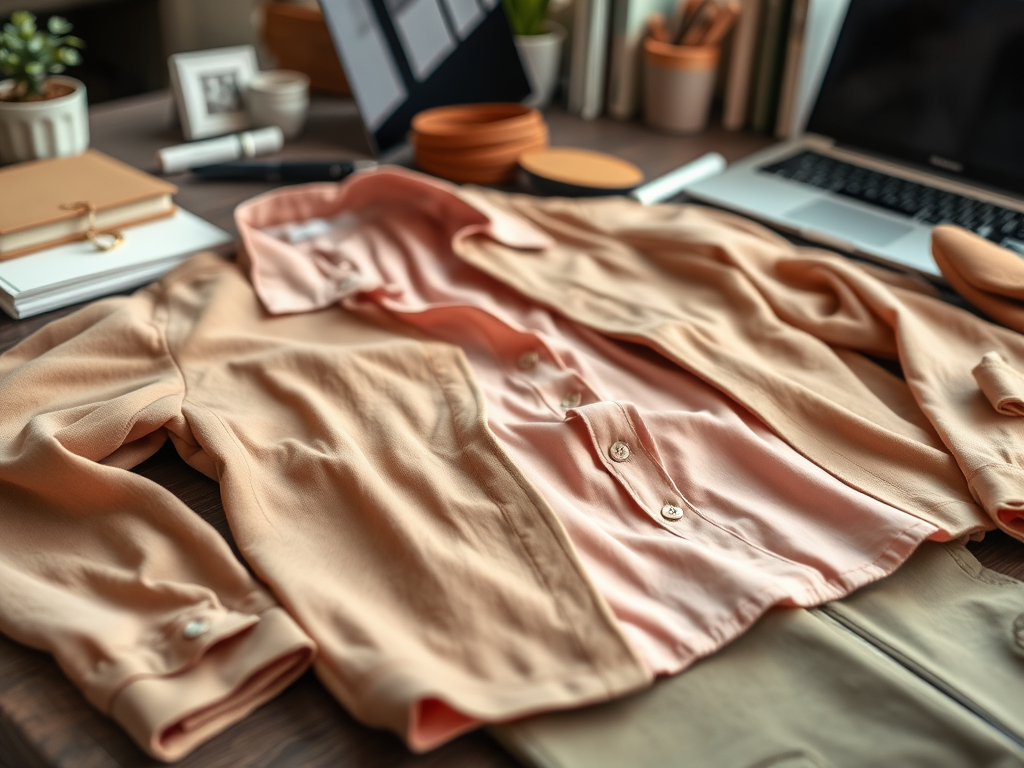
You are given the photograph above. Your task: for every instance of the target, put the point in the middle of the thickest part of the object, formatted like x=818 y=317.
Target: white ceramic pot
x=278 y=97
x=32 y=130
x=541 y=56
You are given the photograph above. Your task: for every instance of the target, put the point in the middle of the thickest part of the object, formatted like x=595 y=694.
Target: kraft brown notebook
x=32 y=195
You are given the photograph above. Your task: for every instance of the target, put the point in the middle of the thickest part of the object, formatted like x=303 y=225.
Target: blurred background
x=129 y=40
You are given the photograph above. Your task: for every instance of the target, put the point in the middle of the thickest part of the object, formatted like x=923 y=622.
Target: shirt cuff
x=169 y=716
x=999 y=488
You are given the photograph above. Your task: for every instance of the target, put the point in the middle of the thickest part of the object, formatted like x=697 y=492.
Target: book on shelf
x=736 y=107
x=820 y=30
x=791 y=70
x=42 y=203
x=625 y=61
x=769 y=65
x=72 y=272
x=588 y=57
x=780 y=51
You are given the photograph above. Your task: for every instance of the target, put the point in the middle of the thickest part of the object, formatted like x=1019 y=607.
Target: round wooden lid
x=567 y=170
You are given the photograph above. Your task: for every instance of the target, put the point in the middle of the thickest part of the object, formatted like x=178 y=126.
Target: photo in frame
x=209 y=89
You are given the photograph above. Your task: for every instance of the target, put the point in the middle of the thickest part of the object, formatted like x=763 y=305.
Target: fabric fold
x=168 y=716
x=1002 y=384
x=989 y=277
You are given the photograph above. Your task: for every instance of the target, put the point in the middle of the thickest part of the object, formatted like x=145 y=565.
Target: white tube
x=674 y=182
x=224 y=149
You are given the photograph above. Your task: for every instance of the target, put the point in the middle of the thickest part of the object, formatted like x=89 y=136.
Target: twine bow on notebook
x=102 y=241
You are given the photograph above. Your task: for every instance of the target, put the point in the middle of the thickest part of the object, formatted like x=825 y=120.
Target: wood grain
x=45 y=722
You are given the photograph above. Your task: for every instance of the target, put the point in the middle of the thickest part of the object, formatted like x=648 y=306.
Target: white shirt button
x=528 y=361
x=196 y=628
x=671 y=512
x=619 y=451
x=572 y=400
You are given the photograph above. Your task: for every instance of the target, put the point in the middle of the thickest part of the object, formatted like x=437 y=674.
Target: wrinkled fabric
x=787 y=332
x=989 y=277
x=394 y=537
x=609 y=433
x=386 y=528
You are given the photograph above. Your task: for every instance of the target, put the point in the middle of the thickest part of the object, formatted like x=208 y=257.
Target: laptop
x=919 y=120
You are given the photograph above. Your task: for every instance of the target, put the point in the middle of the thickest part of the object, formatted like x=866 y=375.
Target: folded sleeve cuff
x=999 y=488
x=171 y=715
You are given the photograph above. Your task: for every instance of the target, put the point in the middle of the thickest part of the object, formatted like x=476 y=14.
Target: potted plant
x=42 y=113
x=539 y=42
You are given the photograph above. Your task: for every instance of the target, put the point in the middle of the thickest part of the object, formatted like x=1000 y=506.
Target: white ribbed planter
x=33 y=130
x=541 y=56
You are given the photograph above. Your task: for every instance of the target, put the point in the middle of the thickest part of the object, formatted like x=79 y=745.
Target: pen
x=289 y=172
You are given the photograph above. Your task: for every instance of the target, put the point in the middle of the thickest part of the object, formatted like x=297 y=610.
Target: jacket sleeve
x=140 y=601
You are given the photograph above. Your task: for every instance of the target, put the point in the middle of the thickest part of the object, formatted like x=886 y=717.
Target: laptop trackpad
x=848 y=223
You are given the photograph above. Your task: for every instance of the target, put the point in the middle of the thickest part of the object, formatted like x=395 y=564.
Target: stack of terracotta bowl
x=476 y=143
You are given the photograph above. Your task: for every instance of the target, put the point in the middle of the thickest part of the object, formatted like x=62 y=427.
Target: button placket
x=560 y=387
x=619 y=443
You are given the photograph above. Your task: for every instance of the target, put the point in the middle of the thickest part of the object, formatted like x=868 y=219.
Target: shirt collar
x=287 y=280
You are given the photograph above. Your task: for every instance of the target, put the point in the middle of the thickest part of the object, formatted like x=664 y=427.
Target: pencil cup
x=279 y=97
x=679 y=81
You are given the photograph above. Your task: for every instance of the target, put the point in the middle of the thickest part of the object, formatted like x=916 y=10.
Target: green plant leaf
x=526 y=17
x=28 y=54
x=27 y=28
x=58 y=25
x=13 y=41
x=19 y=18
x=69 y=56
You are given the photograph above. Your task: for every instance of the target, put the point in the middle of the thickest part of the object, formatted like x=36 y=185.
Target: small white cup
x=279 y=97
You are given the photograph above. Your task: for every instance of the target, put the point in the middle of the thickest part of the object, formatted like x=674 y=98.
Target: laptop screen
x=938 y=83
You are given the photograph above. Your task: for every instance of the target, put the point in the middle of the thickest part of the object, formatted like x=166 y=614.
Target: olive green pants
x=925 y=668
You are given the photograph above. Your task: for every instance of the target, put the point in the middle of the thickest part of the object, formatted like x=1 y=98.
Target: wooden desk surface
x=45 y=722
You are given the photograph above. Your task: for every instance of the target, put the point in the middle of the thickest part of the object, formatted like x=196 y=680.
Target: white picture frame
x=209 y=89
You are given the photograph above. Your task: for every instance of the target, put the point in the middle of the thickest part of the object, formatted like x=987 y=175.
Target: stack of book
x=46 y=258
x=778 y=51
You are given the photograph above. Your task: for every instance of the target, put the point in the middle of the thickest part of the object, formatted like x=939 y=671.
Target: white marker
x=674 y=182
x=181 y=157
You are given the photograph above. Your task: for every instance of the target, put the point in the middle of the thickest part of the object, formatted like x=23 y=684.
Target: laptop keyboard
x=918 y=201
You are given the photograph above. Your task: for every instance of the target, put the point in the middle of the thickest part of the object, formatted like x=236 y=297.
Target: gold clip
x=102 y=241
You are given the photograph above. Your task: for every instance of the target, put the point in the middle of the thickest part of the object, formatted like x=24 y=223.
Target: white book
x=74 y=272
x=821 y=29
x=628 y=30
x=589 y=57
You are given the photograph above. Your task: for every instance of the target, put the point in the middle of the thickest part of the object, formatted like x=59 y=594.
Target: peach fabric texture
x=787 y=332
x=989 y=277
x=387 y=529
x=690 y=516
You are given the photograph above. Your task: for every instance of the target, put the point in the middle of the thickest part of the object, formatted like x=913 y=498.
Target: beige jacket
x=363 y=486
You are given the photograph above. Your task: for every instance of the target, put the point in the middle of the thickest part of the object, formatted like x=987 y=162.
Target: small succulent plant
x=29 y=55
x=526 y=17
